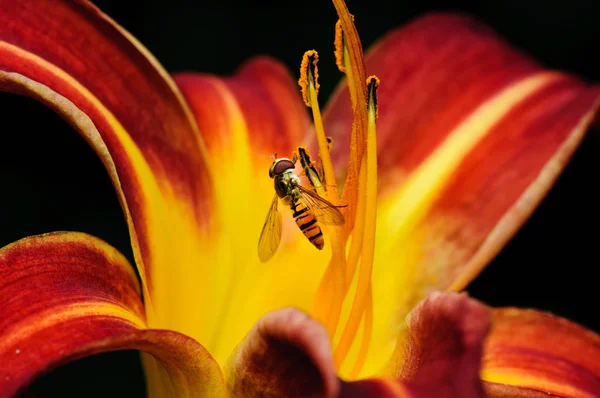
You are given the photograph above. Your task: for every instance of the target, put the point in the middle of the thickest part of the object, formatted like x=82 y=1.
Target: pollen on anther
x=339 y=46
x=309 y=61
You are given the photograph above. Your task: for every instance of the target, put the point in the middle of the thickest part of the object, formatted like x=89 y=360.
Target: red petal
x=68 y=295
x=381 y=388
x=538 y=351
x=442 y=355
x=286 y=354
x=122 y=101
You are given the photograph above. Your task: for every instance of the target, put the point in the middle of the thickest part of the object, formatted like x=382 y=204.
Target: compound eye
x=281 y=166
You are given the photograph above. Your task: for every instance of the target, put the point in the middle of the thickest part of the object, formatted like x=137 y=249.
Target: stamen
x=368 y=194
x=366 y=338
x=308 y=66
x=359 y=229
x=310 y=89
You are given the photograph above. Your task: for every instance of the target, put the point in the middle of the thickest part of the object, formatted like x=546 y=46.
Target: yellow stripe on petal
x=399 y=285
x=422 y=186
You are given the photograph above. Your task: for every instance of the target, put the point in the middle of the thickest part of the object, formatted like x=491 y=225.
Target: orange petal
x=69 y=295
x=530 y=351
x=104 y=83
x=259 y=109
x=471 y=136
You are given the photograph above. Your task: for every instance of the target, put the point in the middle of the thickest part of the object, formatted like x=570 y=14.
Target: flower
x=470 y=134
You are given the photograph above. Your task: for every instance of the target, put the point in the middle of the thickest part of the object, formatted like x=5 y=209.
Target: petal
x=258 y=110
x=286 y=354
x=442 y=355
x=289 y=354
x=244 y=120
x=471 y=136
x=104 y=83
x=69 y=295
x=495 y=390
x=535 y=351
x=445 y=343
x=381 y=388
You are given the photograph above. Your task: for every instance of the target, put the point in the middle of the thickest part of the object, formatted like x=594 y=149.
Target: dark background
x=53 y=181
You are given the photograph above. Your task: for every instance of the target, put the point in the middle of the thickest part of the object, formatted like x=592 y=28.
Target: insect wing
x=325 y=212
x=271 y=233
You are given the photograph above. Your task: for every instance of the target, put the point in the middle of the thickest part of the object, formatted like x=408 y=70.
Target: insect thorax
x=284 y=185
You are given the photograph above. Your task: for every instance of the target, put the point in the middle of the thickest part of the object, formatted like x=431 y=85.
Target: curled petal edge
x=531 y=351
x=70 y=295
x=126 y=106
x=288 y=353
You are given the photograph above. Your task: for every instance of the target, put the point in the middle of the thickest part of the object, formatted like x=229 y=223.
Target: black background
x=51 y=180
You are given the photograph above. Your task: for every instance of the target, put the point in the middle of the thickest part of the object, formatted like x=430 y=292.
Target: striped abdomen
x=307 y=223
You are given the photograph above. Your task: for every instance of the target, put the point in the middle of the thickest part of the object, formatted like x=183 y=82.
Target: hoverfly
x=309 y=209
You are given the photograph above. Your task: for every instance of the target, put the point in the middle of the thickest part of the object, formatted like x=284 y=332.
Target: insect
x=309 y=209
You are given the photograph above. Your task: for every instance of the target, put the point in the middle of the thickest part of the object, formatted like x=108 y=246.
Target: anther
x=372 y=85
x=309 y=75
x=340 y=46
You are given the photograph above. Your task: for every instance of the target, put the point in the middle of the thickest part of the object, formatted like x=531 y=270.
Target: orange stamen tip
x=373 y=80
x=309 y=70
x=339 y=46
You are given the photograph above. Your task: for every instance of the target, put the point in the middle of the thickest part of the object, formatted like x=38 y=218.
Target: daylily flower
x=437 y=171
